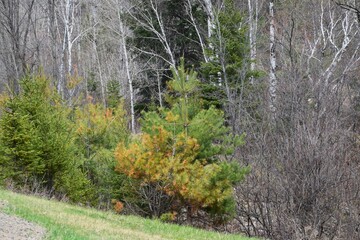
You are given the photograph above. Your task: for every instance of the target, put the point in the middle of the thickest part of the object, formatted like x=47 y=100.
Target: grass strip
x=65 y=221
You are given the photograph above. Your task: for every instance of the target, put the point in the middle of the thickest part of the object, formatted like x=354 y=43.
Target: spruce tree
x=37 y=141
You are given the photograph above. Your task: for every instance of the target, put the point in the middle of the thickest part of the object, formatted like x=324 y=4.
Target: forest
x=238 y=116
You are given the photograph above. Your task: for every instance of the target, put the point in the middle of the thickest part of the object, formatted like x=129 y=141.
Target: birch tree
x=70 y=31
x=128 y=74
x=115 y=23
x=196 y=25
x=272 y=72
x=151 y=20
x=253 y=9
x=210 y=17
x=67 y=10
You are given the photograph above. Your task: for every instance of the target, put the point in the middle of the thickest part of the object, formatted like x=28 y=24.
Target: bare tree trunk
x=253 y=21
x=98 y=63
x=65 y=65
x=127 y=69
x=159 y=88
x=272 y=75
x=162 y=35
x=53 y=42
x=195 y=25
x=61 y=80
x=211 y=18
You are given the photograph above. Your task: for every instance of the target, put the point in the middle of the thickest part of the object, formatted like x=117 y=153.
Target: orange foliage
x=171 y=160
x=118 y=206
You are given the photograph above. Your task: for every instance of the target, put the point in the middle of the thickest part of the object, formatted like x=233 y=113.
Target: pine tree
x=181 y=150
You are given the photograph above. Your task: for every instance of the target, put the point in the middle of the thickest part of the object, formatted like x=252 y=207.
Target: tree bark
x=253 y=21
x=272 y=72
x=210 y=18
x=127 y=69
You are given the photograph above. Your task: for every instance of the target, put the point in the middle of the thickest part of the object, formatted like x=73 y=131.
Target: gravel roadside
x=15 y=228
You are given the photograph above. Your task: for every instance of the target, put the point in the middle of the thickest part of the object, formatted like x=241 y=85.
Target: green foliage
x=227 y=76
x=21 y=141
x=37 y=141
x=228 y=44
x=181 y=149
x=98 y=130
x=99 y=127
x=113 y=97
x=187 y=114
x=180 y=35
x=228 y=53
x=168 y=217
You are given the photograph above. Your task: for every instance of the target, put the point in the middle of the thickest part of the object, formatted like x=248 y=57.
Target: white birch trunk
x=211 y=18
x=193 y=22
x=272 y=75
x=159 y=88
x=162 y=35
x=155 y=25
x=70 y=28
x=65 y=19
x=253 y=21
x=66 y=56
x=128 y=75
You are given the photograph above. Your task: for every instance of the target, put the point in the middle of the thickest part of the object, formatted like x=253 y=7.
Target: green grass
x=64 y=221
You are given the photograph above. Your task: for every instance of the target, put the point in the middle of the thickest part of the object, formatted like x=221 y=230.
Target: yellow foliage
x=3 y=99
x=73 y=80
x=172 y=161
x=170 y=117
x=95 y=120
